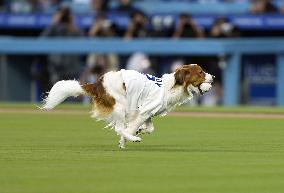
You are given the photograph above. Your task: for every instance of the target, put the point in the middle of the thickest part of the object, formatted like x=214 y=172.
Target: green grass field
x=71 y=153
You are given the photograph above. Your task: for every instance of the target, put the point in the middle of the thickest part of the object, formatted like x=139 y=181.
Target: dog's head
x=193 y=78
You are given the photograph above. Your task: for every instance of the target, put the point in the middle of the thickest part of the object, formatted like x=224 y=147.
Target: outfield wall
x=234 y=49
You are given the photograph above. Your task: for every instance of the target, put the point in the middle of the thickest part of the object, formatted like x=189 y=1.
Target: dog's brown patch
x=102 y=101
x=189 y=74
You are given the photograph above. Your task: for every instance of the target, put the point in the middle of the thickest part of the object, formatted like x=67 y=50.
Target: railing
x=233 y=48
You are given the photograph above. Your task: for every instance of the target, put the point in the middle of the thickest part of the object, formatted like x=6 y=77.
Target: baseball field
x=198 y=150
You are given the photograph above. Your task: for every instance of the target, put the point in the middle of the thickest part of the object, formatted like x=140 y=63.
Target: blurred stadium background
x=240 y=42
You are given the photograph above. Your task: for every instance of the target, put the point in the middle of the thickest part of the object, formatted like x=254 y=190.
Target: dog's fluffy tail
x=60 y=91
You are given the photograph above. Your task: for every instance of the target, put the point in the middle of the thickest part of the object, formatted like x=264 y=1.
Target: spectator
x=63 y=66
x=263 y=6
x=102 y=27
x=125 y=6
x=63 y=24
x=139 y=62
x=187 y=28
x=100 y=5
x=137 y=26
x=222 y=28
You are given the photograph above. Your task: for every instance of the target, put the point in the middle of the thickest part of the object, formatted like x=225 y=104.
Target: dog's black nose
x=213 y=76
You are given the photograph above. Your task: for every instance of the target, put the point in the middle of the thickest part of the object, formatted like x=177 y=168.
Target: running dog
x=127 y=99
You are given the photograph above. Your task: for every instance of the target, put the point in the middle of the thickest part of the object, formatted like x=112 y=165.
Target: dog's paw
x=131 y=137
x=136 y=139
x=144 y=131
x=121 y=146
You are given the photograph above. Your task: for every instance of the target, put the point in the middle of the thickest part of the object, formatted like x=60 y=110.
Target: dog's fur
x=109 y=99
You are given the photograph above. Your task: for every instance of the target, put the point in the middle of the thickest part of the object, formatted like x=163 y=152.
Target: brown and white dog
x=128 y=100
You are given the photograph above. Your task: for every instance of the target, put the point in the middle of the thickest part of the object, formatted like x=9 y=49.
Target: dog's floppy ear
x=180 y=75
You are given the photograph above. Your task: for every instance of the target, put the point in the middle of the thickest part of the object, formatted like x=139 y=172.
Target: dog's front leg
x=127 y=134
x=135 y=124
x=147 y=127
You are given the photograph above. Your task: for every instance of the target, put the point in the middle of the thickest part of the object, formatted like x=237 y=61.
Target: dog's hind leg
x=118 y=116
